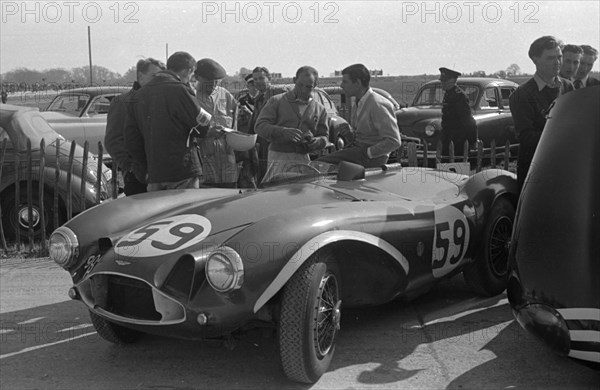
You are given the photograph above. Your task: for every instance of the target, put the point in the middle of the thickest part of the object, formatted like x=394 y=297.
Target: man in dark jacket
x=582 y=76
x=531 y=101
x=162 y=119
x=134 y=175
x=458 y=124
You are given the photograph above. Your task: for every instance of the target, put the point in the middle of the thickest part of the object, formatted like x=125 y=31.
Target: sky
x=398 y=37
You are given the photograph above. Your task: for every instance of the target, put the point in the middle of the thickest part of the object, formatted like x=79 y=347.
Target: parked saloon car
x=554 y=284
x=16 y=125
x=79 y=114
x=204 y=263
x=489 y=103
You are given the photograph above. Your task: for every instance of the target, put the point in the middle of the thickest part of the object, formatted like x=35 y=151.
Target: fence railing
x=41 y=191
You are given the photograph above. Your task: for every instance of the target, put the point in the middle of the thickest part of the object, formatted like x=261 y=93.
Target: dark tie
x=577 y=84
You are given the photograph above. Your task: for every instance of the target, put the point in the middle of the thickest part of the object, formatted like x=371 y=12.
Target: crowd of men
x=169 y=130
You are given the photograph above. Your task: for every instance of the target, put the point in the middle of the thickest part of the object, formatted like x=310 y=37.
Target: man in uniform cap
x=458 y=124
x=218 y=159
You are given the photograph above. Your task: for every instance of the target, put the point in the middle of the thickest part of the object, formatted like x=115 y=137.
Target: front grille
x=124 y=297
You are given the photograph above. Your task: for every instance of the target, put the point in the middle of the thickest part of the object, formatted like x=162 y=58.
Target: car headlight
x=64 y=247
x=225 y=270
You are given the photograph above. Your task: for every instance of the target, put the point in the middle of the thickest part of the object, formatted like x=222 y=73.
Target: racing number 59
x=447 y=241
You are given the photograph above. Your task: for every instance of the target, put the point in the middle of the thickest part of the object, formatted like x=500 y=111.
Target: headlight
x=225 y=270
x=64 y=247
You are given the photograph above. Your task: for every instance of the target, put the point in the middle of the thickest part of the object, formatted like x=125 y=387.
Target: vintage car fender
x=554 y=283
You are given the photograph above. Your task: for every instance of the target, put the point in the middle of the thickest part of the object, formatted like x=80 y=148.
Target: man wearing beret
x=218 y=159
x=294 y=124
x=458 y=124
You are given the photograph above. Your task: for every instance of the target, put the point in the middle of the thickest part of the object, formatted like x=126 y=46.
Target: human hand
x=290 y=134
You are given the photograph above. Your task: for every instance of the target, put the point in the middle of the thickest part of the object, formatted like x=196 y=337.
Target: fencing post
x=29 y=196
x=42 y=198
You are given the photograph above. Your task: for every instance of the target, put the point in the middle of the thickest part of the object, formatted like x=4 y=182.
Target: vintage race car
x=554 y=284
x=205 y=263
x=79 y=114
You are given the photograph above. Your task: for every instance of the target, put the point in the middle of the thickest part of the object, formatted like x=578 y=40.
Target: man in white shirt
x=376 y=133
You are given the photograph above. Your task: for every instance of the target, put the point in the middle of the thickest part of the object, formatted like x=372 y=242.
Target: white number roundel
x=165 y=236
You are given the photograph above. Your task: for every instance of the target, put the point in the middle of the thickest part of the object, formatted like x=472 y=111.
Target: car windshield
x=433 y=95
x=70 y=103
x=303 y=172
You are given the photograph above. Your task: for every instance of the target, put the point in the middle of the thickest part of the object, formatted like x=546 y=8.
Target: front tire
x=309 y=321
x=488 y=275
x=114 y=333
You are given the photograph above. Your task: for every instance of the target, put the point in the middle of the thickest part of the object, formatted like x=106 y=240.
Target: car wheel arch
x=390 y=257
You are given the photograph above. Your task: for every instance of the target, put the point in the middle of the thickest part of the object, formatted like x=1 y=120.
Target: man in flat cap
x=218 y=159
x=458 y=124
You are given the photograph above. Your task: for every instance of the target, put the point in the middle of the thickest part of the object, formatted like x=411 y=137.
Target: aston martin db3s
x=205 y=263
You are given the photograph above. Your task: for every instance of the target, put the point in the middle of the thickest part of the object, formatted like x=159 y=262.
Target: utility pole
x=90 y=53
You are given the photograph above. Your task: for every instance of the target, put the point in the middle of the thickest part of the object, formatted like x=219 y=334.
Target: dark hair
x=546 y=42
x=589 y=51
x=143 y=65
x=262 y=69
x=307 y=69
x=180 y=60
x=358 y=72
x=572 y=49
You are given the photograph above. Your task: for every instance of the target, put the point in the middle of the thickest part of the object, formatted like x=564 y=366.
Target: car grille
x=130 y=300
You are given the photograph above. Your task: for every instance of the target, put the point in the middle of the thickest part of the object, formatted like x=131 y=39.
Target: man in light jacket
x=376 y=133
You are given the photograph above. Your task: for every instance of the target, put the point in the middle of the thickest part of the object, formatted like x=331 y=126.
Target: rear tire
x=114 y=333
x=488 y=275
x=309 y=321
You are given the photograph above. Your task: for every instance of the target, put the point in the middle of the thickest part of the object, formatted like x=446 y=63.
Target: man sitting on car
x=376 y=132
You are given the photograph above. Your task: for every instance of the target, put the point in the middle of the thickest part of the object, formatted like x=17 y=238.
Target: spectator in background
x=458 y=124
x=162 y=117
x=246 y=104
x=294 y=124
x=4 y=96
x=262 y=82
x=218 y=159
x=530 y=102
x=376 y=132
x=582 y=76
x=570 y=61
x=134 y=175
x=246 y=177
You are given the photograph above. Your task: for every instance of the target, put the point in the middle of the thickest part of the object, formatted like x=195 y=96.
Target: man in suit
x=582 y=79
x=376 y=133
x=294 y=124
x=531 y=101
x=571 y=60
x=458 y=124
